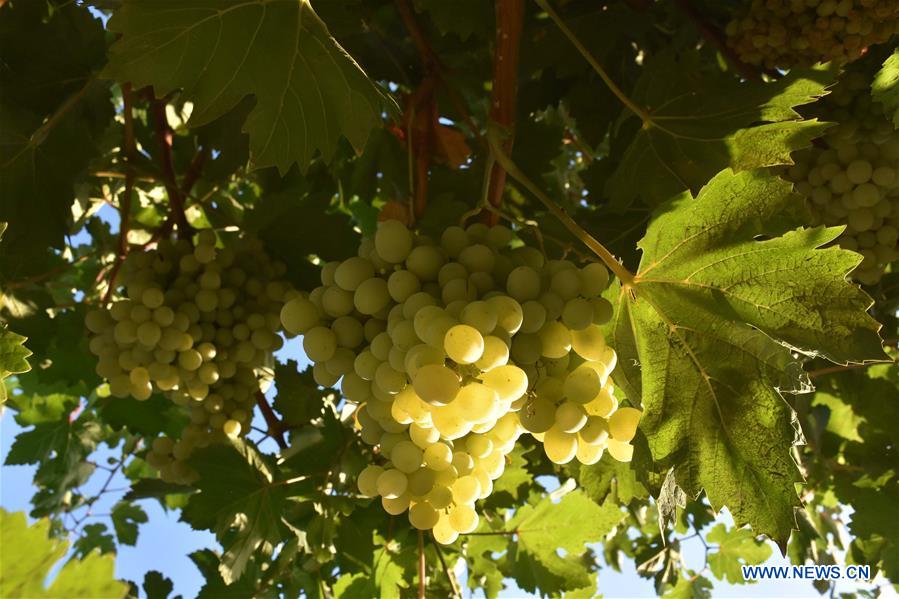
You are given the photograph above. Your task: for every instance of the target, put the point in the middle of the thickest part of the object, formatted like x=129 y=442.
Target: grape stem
x=129 y=157
x=450 y=575
x=422 y=570
x=494 y=133
x=275 y=426
x=509 y=26
x=613 y=87
x=164 y=139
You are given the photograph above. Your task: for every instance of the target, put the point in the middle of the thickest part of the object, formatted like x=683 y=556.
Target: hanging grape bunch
x=787 y=33
x=451 y=350
x=852 y=176
x=195 y=323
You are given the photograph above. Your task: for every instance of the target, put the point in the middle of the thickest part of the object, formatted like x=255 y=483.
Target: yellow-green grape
x=463 y=518
x=481 y=315
x=438 y=457
x=509 y=315
x=444 y=533
x=319 y=343
x=538 y=415
x=463 y=344
x=232 y=428
x=555 y=340
x=583 y=384
x=594 y=278
x=465 y=489
x=595 y=431
x=392 y=484
x=523 y=284
x=589 y=454
x=436 y=384
x=395 y=505
x=368 y=480
x=393 y=241
x=570 y=417
x=299 y=315
x=509 y=382
x=589 y=343
x=496 y=354
x=577 y=314
x=423 y=516
x=620 y=450
x=477 y=402
x=623 y=423
x=406 y=456
x=560 y=447
x=372 y=296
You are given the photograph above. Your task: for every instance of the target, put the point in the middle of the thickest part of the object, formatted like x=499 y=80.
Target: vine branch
x=129 y=156
x=494 y=133
x=450 y=575
x=164 y=139
x=275 y=426
x=422 y=570
x=509 y=25
x=613 y=87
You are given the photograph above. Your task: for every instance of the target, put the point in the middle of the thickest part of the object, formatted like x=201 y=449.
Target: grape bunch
x=852 y=176
x=444 y=346
x=195 y=323
x=787 y=33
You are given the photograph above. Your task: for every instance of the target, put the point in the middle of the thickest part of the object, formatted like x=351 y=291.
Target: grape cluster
x=448 y=349
x=195 y=323
x=851 y=177
x=788 y=33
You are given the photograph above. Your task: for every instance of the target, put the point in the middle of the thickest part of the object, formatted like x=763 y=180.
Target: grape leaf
x=544 y=529
x=13 y=357
x=736 y=547
x=51 y=116
x=237 y=489
x=126 y=517
x=885 y=87
x=35 y=555
x=157 y=586
x=704 y=335
x=690 y=586
x=308 y=90
x=701 y=124
x=94 y=536
x=215 y=587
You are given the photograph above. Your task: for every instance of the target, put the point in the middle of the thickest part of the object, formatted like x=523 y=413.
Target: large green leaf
x=51 y=115
x=308 y=90
x=706 y=335
x=700 y=124
x=885 y=88
x=239 y=495
x=22 y=575
x=736 y=547
x=13 y=357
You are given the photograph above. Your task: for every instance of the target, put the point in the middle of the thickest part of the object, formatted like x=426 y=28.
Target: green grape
x=509 y=382
x=463 y=518
x=232 y=428
x=438 y=457
x=594 y=278
x=367 y=481
x=402 y=284
x=583 y=384
x=454 y=240
x=337 y=302
x=577 y=314
x=589 y=343
x=299 y=315
x=594 y=432
x=477 y=402
x=465 y=489
x=393 y=241
x=523 y=284
x=623 y=424
x=425 y=262
x=388 y=379
x=480 y=315
x=352 y=272
x=570 y=417
x=566 y=283
x=620 y=450
x=496 y=354
x=319 y=343
x=392 y=484
x=395 y=505
x=509 y=315
x=533 y=316
x=436 y=384
x=372 y=296
x=560 y=447
x=589 y=454
x=440 y=497
x=406 y=457
x=463 y=344
x=537 y=416
x=555 y=340
x=477 y=258
x=423 y=516
x=443 y=532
